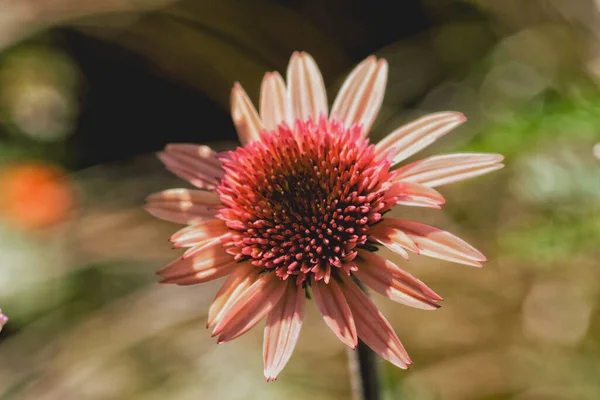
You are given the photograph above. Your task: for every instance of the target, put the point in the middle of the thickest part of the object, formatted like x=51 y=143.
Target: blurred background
x=90 y=89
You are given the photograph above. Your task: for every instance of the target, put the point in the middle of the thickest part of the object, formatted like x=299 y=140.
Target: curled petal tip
x=496 y=157
x=457 y=115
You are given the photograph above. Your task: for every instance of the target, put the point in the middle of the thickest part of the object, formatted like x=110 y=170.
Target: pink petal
x=449 y=168
x=244 y=115
x=209 y=262
x=373 y=328
x=275 y=106
x=434 y=242
x=200 y=197
x=3 y=319
x=194 y=163
x=183 y=205
x=415 y=136
x=306 y=88
x=206 y=275
x=250 y=307
x=282 y=330
x=199 y=233
x=335 y=310
x=361 y=95
x=414 y=194
x=237 y=283
x=394 y=239
x=387 y=278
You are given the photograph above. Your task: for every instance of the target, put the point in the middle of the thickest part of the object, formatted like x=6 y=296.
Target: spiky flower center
x=301 y=200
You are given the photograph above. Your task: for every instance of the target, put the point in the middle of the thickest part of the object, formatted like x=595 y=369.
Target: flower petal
x=183 y=205
x=209 y=262
x=275 y=106
x=244 y=115
x=3 y=319
x=449 y=168
x=434 y=242
x=388 y=279
x=373 y=328
x=394 y=239
x=199 y=233
x=416 y=135
x=236 y=284
x=361 y=95
x=250 y=307
x=335 y=310
x=306 y=88
x=282 y=330
x=414 y=194
x=196 y=164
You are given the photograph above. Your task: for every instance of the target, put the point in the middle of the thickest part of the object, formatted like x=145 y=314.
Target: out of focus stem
x=364 y=371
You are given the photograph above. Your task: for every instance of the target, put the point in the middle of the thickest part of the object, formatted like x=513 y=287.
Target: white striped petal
x=335 y=310
x=197 y=164
x=306 y=88
x=415 y=136
x=275 y=106
x=361 y=95
x=449 y=168
x=183 y=206
x=244 y=115
x=282 y=330
x=372 y=327
x=210 y=262
x=434 y=242
x=250 y=307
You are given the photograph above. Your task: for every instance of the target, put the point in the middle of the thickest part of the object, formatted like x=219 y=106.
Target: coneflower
x=301 y=208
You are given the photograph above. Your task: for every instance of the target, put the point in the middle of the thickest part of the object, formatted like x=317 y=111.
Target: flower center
x=301 y=200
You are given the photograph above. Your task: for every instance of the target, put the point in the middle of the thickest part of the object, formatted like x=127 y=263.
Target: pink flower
x=3 y=319
x=301 y=208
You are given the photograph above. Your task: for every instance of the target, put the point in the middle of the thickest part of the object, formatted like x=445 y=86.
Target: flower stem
x=364 y=371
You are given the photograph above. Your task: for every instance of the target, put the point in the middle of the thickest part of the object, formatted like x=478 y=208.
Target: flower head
x=300 y=209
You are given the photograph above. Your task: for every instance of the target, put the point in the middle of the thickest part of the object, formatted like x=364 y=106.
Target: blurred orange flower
x=34 y=195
